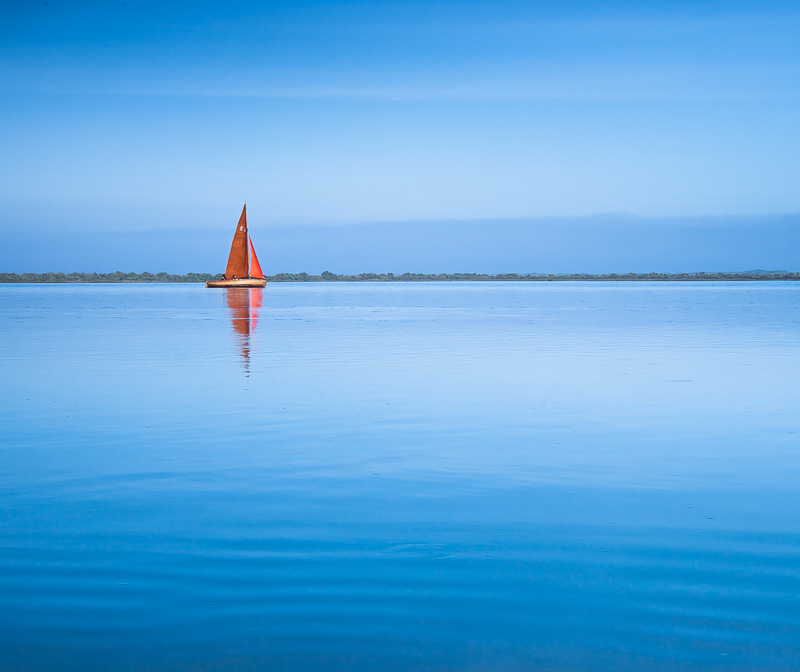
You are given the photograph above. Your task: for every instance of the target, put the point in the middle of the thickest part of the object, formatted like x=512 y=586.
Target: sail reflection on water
x=243 y=304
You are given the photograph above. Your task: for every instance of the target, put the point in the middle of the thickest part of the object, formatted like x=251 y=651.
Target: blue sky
x=148 y=119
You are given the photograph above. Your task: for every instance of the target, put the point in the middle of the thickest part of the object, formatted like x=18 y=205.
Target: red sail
x=237 y=261
x=255 y=267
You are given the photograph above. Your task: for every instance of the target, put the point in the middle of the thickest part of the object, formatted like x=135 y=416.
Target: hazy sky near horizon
x=142 y=116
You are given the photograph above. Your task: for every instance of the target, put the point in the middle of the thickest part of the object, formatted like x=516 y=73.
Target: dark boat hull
x=243 y=282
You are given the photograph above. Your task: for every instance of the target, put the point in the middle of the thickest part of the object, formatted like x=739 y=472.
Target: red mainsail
x=237 y=261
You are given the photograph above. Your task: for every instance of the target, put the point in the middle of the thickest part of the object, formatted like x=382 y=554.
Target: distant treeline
x=327 y=276
x=116 y=276
x=533 y=277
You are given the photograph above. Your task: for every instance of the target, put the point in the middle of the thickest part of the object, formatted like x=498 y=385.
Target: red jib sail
x=255 y=267
x=237 y=261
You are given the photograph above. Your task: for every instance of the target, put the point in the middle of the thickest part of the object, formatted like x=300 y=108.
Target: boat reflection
x=243 y=305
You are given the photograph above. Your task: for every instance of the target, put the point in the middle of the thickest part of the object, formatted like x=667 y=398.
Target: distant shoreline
x=327 y=276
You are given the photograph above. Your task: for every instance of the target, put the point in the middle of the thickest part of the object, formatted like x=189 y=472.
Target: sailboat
x=243 y=269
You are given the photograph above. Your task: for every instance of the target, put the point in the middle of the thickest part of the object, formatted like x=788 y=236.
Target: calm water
x=464 y=476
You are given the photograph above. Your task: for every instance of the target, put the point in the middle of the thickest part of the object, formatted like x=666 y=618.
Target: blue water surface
x=400 y=476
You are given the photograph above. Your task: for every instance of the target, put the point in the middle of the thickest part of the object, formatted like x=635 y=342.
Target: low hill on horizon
x=327 y=276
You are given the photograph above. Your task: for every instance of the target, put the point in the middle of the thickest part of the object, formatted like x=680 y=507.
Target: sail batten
x=237 y=260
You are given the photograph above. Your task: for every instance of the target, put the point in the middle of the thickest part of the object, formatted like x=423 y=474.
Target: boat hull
x=241 y=282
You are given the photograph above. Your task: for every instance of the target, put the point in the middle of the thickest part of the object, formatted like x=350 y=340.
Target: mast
x=246 y=255
x=247 y=235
